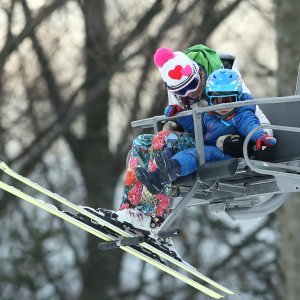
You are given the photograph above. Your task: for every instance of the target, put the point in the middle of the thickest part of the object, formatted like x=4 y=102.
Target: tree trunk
x=101 y=271
x=288 y=45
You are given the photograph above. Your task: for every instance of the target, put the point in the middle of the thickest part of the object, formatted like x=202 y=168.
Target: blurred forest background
x=73 y=75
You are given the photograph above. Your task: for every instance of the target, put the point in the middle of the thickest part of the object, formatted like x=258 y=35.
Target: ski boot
x=136 y=220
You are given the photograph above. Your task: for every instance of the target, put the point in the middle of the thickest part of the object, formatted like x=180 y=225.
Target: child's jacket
x=241 y=122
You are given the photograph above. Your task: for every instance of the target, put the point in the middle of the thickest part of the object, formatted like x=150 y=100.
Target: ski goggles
x=221 y=99
x=191 y=87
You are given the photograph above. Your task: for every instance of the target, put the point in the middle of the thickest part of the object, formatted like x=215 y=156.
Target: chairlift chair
x=242 y=188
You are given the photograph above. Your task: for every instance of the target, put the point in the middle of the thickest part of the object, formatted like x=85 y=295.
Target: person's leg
x=137 y=202
x=165 y=146
x=138 y=156
x=157 y=204
x=171 y=167
x=136 y=194
x=186 y=162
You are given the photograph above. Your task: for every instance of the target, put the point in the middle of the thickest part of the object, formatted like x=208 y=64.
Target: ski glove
x=173 y=109
x=265 y=140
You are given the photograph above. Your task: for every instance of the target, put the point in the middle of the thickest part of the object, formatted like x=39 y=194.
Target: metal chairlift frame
x=241 y=188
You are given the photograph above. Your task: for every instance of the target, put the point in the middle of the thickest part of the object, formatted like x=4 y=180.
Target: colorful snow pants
x=142 y=153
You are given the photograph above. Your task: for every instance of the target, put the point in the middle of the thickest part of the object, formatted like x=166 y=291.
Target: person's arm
x=246 y=120
x=187 y=123
x=259 y=114
x=263 y=120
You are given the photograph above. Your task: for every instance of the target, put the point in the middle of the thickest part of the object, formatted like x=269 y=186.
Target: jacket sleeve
x=258 y=112
x=263 y=120
x=246 y=120
x=187 y=124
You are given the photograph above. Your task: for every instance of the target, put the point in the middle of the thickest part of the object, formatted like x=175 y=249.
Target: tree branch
x=12 y=43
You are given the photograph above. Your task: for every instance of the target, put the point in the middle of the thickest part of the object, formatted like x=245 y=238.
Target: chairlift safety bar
x=265 y=171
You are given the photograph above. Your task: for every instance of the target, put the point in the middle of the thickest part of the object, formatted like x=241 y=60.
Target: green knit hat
x=205 y=57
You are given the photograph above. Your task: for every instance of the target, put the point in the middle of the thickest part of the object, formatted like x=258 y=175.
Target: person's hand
x=173 y=109
x=265 y=140
x=171 y=126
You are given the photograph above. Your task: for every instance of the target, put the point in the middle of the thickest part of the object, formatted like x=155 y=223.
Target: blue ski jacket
x=241 y=122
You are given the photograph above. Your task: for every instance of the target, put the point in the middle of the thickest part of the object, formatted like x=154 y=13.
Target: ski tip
x=231 y=293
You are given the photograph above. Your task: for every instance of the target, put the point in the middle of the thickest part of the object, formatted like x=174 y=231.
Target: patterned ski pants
x=142 y=153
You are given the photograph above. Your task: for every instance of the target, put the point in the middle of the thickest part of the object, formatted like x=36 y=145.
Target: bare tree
x=57 y=125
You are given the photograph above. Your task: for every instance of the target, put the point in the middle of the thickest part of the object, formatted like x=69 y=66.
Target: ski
x=106 y=237
x=154 y=260
x=102 y=222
